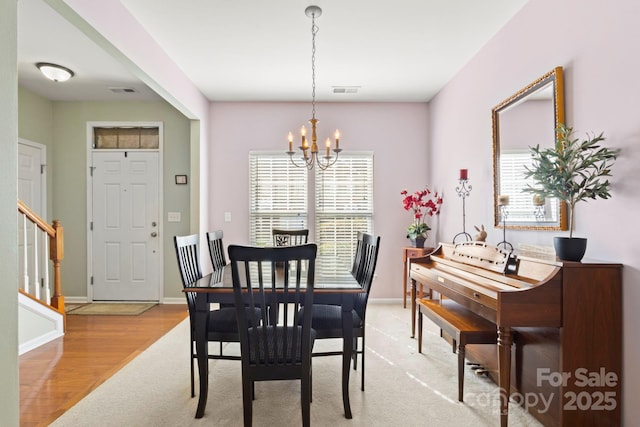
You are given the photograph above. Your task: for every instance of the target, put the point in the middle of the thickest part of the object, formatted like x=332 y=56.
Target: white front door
x=125 y=237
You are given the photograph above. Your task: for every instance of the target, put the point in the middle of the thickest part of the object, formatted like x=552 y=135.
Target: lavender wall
x=397 y=133
x=593 y=41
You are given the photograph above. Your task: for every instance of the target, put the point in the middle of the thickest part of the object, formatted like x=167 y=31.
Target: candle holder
x=463 y=189
x=539 y=211
x=506 y=245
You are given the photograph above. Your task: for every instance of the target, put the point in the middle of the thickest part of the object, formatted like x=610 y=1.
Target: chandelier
x=310 y=154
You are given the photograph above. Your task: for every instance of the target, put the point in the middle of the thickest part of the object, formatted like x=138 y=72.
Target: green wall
x=9 y=384
x=35 y=123
x=63 y=128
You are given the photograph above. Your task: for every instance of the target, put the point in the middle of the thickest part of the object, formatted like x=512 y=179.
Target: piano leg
x=505 y=339
x=460 y=371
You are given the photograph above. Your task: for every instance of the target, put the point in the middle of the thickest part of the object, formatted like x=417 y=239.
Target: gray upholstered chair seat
x=329 y=317
x=224 y=320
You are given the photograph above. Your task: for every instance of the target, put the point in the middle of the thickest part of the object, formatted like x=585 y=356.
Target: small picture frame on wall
x=181 y=179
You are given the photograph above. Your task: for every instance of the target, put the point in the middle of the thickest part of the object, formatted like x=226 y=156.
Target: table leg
x=413 y=308
x=347 y=351
x=404 y=280
x=201 y=322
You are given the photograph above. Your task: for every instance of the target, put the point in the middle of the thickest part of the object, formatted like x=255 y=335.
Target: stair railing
x=35 y=286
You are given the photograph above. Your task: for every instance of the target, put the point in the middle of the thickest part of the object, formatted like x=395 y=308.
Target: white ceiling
x=253 y=50
x=45 y=36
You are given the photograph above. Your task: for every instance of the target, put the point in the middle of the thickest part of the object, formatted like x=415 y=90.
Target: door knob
x=154 y=234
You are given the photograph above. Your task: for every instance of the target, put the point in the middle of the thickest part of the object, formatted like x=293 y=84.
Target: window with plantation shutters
x=278 y=196
x=343 y=206
x=512 y=181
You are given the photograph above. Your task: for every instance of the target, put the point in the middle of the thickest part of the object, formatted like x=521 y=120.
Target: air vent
x=345 y=89
x=122 y=90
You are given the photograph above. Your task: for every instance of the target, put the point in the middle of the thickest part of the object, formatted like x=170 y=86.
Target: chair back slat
x=283 y=237
x=188 y=257
x=270 y=278
x=357 y=257
x=368 y=246
x=216 y=249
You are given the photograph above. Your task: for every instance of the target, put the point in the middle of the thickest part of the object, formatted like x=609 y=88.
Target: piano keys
x=558 y=326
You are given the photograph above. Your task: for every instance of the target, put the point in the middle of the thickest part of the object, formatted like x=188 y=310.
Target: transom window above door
x=130 y=138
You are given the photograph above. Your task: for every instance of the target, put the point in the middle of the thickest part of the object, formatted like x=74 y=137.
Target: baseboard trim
x=181 y=300
x=385 y=300
x=37 y=342
x=49 y=326
x=174 y=300
x=76 y=300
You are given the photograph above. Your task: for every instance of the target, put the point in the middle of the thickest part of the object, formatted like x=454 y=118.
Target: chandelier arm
x=308 y=162
x=329 y=162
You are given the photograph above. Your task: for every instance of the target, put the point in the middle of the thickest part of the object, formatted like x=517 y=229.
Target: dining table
x=217 y=287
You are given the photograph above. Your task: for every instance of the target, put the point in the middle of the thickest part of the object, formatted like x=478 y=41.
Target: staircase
x=41 y=316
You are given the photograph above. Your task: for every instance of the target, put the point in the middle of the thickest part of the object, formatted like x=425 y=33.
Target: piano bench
x=461 y=324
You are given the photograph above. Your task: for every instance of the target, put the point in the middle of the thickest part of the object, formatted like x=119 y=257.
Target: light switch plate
x=227 y=217
x=173 y=217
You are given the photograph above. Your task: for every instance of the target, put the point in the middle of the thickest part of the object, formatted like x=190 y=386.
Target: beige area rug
x=403 y=388
x=112 y=309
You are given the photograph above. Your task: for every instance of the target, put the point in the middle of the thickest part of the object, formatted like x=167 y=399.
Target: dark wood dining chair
x=223 y=326
x=327 y=319
x=357 y=256
x=280 y=347
x=216 y=249
x=218 y=258
x=282 y=237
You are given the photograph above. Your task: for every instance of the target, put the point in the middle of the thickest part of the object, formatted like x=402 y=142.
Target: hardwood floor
x=57 y=375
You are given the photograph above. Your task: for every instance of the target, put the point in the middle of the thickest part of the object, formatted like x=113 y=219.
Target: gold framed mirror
x=527 y=118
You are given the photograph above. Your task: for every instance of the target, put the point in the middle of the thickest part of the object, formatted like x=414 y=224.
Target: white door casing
x=126 y=244
x=31 y=176
x=32 y=190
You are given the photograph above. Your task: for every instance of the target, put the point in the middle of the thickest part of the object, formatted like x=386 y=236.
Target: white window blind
x=512 y=181
x=343 y=206
x=278 y=196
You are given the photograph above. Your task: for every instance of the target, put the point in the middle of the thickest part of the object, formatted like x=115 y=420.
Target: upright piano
x=562 y=319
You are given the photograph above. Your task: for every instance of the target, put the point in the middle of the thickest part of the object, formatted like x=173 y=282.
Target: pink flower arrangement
x=422 y=203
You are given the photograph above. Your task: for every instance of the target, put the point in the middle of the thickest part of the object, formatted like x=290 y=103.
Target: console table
x=408 y=253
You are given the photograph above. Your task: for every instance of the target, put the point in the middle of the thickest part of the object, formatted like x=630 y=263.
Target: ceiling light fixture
x=310 y=155
x=54 y=72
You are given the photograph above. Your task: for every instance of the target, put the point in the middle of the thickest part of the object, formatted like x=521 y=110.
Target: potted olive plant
x=572 y=171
